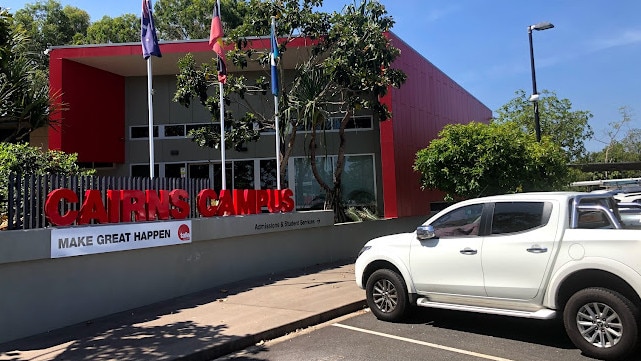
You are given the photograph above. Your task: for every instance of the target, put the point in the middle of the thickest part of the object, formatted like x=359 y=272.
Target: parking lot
x=430 y=334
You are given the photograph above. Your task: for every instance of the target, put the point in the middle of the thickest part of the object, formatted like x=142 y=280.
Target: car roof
x=532 y=196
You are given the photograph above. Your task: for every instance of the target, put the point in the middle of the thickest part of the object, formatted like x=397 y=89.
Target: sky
x=591 y=57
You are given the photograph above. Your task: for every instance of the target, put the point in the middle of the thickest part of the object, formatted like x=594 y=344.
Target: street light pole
x=535 y=95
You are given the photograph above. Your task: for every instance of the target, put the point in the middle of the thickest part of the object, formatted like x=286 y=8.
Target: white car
x=534 y=255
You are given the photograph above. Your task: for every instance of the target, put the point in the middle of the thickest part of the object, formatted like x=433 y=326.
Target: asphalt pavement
x=204 y=325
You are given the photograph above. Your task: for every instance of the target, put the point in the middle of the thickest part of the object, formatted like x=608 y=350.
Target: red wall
x=95 y=117
x=424 y=104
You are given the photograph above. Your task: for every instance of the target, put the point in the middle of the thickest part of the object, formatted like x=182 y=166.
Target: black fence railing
x=26 y=195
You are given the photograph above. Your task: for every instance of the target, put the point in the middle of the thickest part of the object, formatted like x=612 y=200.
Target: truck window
x=593 y=220
x=462 y=221
x=510 y=217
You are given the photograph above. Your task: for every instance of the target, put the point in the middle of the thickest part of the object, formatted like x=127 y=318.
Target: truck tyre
x=386 y=295
x=602 y=323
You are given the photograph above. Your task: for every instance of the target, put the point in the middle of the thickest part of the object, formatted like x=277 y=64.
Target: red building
x=104 y=88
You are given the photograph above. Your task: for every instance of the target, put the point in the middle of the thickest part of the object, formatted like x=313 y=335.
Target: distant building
x=106 y=124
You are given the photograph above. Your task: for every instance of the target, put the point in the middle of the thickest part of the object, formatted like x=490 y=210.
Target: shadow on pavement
x=138 y=335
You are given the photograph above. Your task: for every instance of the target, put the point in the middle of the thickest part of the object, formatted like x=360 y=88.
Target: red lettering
x=262 y=199
x=157 y=206
x=274 y=201
x=245 y=201
x=226 y=203
x=133 y=202
x=178 y=199
x=137 y=205
x=205 y=204
x=113 y=208
x=52 y=207
x=92 y=208
x=287 y=204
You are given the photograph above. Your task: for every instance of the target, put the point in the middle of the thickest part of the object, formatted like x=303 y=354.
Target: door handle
x=537 y=249
x=468 y=250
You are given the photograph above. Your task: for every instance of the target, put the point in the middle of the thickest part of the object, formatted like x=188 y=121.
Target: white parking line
x=433 y=345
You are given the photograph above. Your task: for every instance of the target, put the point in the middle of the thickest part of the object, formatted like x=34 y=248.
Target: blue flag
x=148 y=32
x=273 y=56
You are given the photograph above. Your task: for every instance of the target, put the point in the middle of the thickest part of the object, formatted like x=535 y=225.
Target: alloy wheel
x=599 y=324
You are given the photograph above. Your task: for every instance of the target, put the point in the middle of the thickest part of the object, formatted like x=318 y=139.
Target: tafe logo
x=183 y=232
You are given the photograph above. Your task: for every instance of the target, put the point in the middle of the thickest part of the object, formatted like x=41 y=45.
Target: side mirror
x=425 y=232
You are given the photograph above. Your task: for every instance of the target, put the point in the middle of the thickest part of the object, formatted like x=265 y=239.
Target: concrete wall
x=39 y=294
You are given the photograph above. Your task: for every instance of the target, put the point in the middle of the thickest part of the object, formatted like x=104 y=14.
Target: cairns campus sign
x=149 y=205
x=134 y=208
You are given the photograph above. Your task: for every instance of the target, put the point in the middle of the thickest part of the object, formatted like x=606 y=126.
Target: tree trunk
x=334 y=200
x=333 y=195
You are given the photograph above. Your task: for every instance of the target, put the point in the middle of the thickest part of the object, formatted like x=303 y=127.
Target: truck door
x=517 y=252
x=450 y=263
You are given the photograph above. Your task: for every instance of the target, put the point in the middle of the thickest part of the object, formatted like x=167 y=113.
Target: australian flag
x=148 y=32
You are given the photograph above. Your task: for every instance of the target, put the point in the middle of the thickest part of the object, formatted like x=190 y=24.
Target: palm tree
x=311 y=102
x=25 y=103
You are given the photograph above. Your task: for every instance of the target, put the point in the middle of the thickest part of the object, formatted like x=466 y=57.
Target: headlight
x=365 y=248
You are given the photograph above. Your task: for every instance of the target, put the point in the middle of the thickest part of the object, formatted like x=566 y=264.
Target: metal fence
x=26 y=195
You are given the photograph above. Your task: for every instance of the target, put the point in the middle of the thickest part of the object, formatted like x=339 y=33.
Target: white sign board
x=77 y=241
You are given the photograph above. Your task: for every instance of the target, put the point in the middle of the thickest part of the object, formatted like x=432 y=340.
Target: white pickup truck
x=536 y=255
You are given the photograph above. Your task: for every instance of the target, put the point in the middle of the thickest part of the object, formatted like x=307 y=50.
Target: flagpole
x=150 y=47
x=150 y=105
x=222 y=133
x=222 y=119
x=276 y=120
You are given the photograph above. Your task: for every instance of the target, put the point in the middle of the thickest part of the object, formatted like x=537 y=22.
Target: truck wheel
x=602 y=323
x=386 y=295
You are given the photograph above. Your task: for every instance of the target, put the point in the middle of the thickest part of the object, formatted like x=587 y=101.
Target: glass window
x=213 y=127
x=510 y=217
x=175 y=170
x=359 y=122
x=199 y=171
x=268 y=175
x=174 y=130
x=244 y=174
x=142 y=170
x=218 y=176
x=142 y=132
x=358 y=181
x=593 y=220
x=462 y=221
x=309 y=194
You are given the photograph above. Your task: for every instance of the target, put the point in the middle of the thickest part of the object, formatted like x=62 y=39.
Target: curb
x=243 y=342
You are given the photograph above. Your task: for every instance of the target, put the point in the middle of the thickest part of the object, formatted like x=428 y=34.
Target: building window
x=333 y=124
x=199 y=170
x=174 y=131
x=358 y=182
x=356 y=122
x=268 y=175
x=175 y=170
x=142 y=132
x=243 y=177
x=169 y=130
x=142 y=170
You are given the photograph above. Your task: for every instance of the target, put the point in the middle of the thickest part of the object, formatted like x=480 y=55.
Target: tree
x=479 y=159
x=622 y=144
x=568 y=128
x=358 y=69
x=24 y=159
x=348 y=69
x=25 y=102
x=121 y=29
x=49 y=24
x=191 y=19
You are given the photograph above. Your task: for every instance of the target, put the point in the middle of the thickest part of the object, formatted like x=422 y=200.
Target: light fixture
x=535 y=95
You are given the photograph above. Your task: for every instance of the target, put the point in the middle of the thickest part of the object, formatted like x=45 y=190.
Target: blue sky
x=592 y=56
